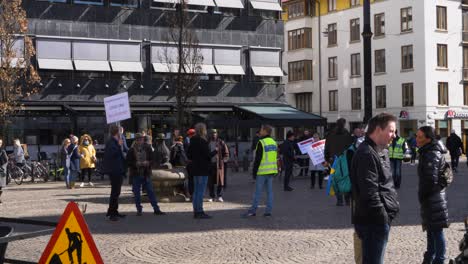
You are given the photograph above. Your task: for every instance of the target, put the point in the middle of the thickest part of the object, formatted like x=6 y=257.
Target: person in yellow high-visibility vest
x=265 y=168
x=396 y=151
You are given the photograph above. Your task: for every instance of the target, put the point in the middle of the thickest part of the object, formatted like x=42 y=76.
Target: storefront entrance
x=408 y=128
x=443 y=128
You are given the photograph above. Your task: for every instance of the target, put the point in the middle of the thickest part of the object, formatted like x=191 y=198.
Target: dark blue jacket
x=74 y=158
x=114 y=161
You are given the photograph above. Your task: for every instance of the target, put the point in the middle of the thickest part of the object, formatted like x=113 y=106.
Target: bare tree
x=183 y=56
x=17 y=74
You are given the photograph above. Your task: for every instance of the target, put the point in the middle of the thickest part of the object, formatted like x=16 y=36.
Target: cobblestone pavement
x=306 y=227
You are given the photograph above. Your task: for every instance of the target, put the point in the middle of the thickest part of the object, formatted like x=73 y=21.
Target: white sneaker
x=220 y=199
x=210 y=200
x=91 y=184
x=82 y=185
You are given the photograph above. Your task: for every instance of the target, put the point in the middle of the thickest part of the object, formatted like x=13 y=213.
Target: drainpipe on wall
x=320 y=57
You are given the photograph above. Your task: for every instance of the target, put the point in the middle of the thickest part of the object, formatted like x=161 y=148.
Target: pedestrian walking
x=63 y=160
x=216 y=176
x=375 y=202
x=74 y=157
x=317 y=170
x=88 y=159
x=413 y=147
x=455 y=147
x=431 y=194
x=3 y=168
x=18 y=153
x=396 y=151
x=336 y=142
x=161 y=152
x=190 y=134
x=265 y=168
x=288 y=153
x=139 y=158
x=200 y=156
x=114 y=167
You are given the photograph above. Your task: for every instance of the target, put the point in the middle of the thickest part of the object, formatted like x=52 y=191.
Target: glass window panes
x=355 y=64
x=465 y=94
x=331 y=5
x=406 y=19
x=443 y=93
x=300 y=38
x=380 y=96
x=380 y=61
x=353 y=2
x=441 y=17
x=333 y=68
x=304 y=102
x=333 y=100
x=300 y=70
x=379 y=24
x=89 y=2
x=442 y=55
x=356 y=98
x=407 y=94
x=332 y=34
x=354 y=30
x=407 y=57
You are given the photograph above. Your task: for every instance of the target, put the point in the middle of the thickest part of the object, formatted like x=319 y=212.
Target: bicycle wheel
x=16 y=174
x=42 y=171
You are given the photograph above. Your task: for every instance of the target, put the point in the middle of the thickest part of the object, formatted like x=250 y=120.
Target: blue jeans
x=396 y=172
x=260 y=182
x=199 y=184
x=374 y=241
x=138 y=181
x=435 y=246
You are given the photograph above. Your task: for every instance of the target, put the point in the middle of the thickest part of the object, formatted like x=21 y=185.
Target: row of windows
x=380 y=97
x=300 y=70
x=300 y=38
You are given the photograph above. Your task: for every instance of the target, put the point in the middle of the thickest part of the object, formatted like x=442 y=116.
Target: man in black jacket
x=375 y=202
x=455 y=147
x=114 y=166
x=287 y=151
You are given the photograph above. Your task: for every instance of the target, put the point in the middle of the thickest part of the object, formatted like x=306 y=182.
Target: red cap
x=191 y=132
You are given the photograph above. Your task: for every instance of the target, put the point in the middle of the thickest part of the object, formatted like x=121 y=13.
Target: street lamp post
x=367 y=37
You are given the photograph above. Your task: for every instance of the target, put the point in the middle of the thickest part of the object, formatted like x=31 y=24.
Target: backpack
x=445 y=175
x=341 y=180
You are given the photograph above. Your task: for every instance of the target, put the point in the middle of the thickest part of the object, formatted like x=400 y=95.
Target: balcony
x=465 y=74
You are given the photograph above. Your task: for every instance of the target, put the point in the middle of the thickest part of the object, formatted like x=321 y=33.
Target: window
x=442 y=17
x=442 y=55
x=333 y=100
x=407 y=57
x=331 y=5
x=406 y=19
x=443 y=93
x=354 y=3
x=300 y=70
x=333 y=68
x=300 y=38
x=354 y=30
x=332 y=34
x=89 y=2
x=380 y=61
x=380 y=96
x=356 y=64
x=129 y=3
x=465 y=94
x=300 y=9
x=379 y=24
x=356 y=98
x=304 y=102
x=407 y=94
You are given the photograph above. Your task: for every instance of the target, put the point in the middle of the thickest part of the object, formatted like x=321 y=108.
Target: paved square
x=306 y=227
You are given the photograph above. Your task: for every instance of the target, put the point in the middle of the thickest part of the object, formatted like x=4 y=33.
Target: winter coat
x=161 y=154
x=3 y=167
x=88 y=154
x=336 y=142
x=74 y=158
x=114 y=161
x=454 y=145
x=374 y=195
x=432 y=197
x=18 y=153
x=200 y=156
x=178 y=155
x=133 y=168
x=288 y=152
x=221 y=156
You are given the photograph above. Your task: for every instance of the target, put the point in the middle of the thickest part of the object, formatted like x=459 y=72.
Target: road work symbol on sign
x=71 y=242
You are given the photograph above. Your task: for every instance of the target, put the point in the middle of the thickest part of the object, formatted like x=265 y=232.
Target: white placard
x=117 y=108
x=316 y=152
x=304 y=146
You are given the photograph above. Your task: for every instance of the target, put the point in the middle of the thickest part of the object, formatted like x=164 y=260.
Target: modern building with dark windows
x=88 y=50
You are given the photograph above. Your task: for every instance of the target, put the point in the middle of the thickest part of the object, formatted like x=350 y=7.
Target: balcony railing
x=465 y=36
x=465 y=74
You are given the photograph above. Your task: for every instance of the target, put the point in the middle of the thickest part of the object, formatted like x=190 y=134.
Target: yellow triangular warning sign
x=71 y=241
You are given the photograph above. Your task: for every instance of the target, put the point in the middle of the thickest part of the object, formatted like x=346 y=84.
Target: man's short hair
x=341 y=123
x=113 y=130
x=267 y=128
x=381 y=120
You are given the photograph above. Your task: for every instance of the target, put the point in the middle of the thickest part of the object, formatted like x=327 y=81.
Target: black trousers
x=287 y=175
x=455 y=159
x=190 y=179
x=225 y=174
x=212 y=179
x=313 y=176
x=116 y=186
x=88 y=171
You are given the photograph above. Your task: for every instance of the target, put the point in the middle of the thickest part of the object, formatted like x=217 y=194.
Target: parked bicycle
x=14 y=173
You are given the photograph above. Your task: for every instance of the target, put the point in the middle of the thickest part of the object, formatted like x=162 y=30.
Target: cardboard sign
x=117 y=108
x=316 y=152
x=71 y=241
x=304 y=146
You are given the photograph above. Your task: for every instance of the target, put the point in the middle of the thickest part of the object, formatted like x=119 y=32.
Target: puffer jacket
x=88 y=153
x=432 y=196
